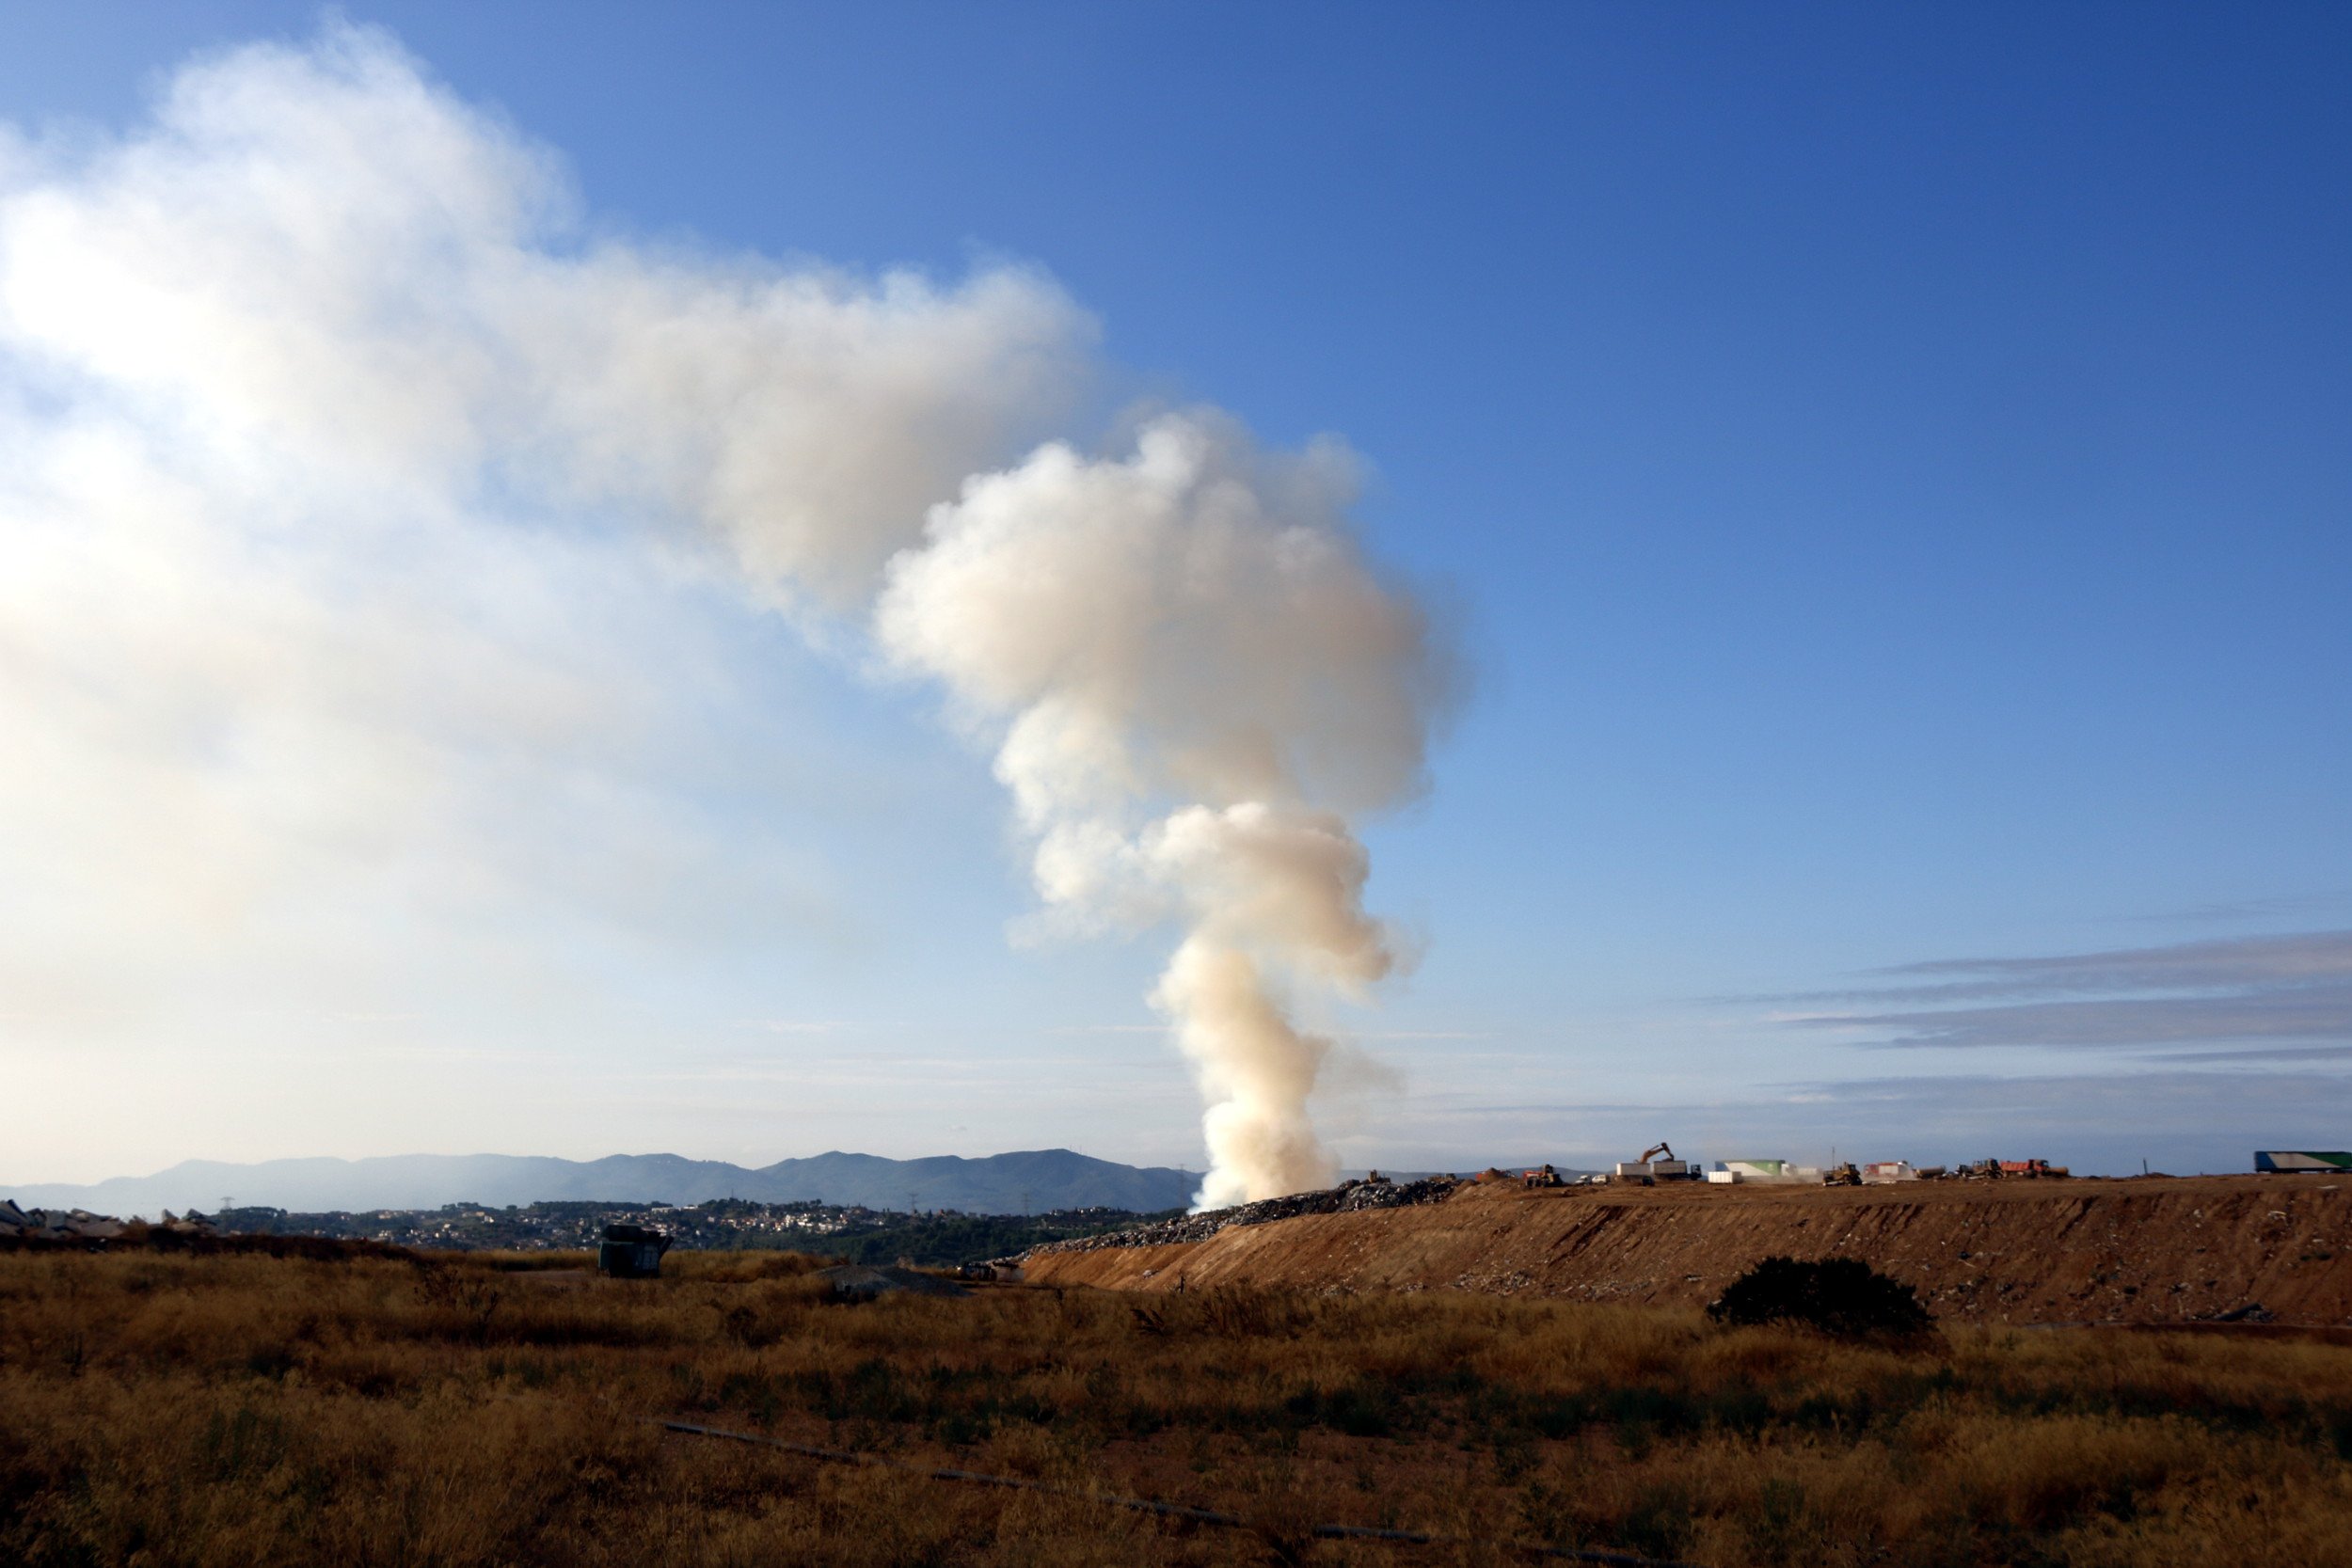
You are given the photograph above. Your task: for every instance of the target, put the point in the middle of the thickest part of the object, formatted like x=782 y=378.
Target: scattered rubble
x=2254 y=1312
x=864 y=1282
x=1371 y=1192
x=59 y=1225
x=79 y=1230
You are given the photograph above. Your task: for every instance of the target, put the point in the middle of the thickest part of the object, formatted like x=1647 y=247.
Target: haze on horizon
x=584 y=584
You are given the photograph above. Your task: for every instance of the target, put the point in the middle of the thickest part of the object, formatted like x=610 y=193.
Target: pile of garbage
x=56 y=1225
x=864 y=1282
x=82 y=1227
x=1371 y=1191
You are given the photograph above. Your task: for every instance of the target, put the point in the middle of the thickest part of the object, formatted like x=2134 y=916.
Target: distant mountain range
x=1035 y=1180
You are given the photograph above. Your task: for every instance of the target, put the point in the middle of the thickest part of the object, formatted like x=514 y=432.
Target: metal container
x=631 y=1252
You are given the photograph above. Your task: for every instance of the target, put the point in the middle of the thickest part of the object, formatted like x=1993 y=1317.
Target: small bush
x=1842 y=1296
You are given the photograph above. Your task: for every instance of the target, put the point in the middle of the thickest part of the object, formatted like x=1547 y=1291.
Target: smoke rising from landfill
x=327 y=410
x=1190 y=623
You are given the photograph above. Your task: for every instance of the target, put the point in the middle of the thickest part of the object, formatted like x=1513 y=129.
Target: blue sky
x=1887 y=470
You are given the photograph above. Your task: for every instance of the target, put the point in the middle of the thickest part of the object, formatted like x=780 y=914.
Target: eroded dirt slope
x=2143 y=1251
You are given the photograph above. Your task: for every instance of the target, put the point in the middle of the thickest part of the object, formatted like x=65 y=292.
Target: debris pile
x=1995 y=1170
x=864 y=1282
x=1371 y=1192
x=56 y=1225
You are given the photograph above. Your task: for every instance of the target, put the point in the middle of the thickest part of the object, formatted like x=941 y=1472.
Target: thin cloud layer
x=2265 y=992
x=2242 y=961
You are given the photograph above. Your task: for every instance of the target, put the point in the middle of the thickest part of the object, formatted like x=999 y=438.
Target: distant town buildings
x=720 y=1225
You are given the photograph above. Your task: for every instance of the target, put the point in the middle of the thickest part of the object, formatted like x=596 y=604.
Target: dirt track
x=2157 y=1250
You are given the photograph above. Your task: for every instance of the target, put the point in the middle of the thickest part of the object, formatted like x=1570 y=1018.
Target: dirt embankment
x=2158 y=1250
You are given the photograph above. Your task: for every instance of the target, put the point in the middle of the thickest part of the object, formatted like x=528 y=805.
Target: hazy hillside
x=1037 y=1179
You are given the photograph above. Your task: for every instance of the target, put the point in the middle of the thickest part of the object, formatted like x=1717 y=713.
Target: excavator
x=1642 y=1171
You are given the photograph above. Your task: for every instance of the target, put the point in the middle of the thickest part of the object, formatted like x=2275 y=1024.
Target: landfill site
x=2017 y=1242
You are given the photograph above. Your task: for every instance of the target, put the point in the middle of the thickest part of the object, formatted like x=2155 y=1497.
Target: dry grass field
x=244 y=1409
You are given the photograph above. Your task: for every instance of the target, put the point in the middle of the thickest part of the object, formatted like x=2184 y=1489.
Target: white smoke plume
x=333 y=436
x=1190 y=629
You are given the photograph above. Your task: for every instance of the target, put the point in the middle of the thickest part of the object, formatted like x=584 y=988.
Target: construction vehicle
x=1546 y=1177
x=1998 y=1170
x=1845 y=1175
x=1650 y=1166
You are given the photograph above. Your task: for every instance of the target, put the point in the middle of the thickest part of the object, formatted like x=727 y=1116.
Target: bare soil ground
x=2146 y=1251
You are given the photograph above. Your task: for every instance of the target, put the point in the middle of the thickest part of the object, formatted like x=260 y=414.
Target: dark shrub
x=1843 y=1296
x=1661 y=1522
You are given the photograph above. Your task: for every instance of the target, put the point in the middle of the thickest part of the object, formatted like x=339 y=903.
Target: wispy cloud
x=2314 y=1054
x=2267 y=1013
x=2267 y=992
x=2286 y=906
x=2234 y=963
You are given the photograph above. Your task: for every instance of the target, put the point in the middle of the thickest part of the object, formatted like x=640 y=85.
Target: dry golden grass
x=250 y=1410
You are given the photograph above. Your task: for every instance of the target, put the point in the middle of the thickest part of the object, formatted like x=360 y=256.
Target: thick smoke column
x=1191 y=626
x=358 y=428
x=1256 y=1066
